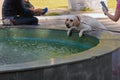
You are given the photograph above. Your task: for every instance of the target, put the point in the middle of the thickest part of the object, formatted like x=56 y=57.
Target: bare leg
x=38 y=12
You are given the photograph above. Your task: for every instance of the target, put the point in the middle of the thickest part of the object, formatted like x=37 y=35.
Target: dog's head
x=72 y=21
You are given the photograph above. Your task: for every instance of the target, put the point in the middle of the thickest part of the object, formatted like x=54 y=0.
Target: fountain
x=29 y=54
x=38 y=47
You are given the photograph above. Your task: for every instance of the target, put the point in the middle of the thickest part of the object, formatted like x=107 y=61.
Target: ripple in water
x=30 y=49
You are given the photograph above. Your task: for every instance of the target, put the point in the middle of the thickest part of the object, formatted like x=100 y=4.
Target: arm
x=31 y=6
x=22 y=11
x=116 y=15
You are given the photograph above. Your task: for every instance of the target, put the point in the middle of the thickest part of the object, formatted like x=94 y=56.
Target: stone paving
x=58 y=21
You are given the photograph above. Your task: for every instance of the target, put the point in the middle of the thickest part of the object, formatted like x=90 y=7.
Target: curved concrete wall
x=116 y=64
x=95 y=68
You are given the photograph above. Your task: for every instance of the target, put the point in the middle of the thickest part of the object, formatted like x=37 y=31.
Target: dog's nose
x=67 y=25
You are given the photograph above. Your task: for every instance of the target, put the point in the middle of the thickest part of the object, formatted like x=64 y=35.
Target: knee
x=35 y=21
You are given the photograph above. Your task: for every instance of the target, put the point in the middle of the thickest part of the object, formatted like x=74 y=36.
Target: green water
x=29 y=49
x=25 y=45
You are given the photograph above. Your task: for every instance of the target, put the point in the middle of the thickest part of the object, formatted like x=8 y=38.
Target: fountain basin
x=26 y=45
x=92 y=64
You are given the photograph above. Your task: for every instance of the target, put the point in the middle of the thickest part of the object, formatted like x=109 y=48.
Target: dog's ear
x=77 y=21
x=66 y=20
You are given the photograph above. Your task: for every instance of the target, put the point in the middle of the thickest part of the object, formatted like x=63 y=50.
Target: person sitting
x=14 y=13
x=38 y=11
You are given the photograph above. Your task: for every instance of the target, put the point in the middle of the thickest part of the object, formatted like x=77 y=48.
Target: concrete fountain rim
x=99 y=50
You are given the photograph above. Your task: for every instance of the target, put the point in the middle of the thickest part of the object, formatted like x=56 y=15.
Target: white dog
x=82 y=23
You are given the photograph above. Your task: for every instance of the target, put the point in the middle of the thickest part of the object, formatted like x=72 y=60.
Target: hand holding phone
x=104 y=5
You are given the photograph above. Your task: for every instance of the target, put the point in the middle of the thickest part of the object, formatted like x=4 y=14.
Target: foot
x=45 y=10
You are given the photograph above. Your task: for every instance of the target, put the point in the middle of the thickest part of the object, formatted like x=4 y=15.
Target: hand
x=104 y=10
x=32 y=9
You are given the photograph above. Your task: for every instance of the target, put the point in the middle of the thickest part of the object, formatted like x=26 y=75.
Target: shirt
x=14 y=8
x=28 y=5
x=118 y=4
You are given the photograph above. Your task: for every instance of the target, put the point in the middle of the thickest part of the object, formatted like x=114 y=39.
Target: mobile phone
x=104 y=5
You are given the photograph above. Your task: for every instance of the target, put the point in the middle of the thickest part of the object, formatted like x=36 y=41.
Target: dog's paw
x=80 y=35
x=69 y=33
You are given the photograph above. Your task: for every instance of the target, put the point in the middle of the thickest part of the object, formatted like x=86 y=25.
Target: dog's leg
x=81 y=31
x=69 y=32
x=84 y=28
